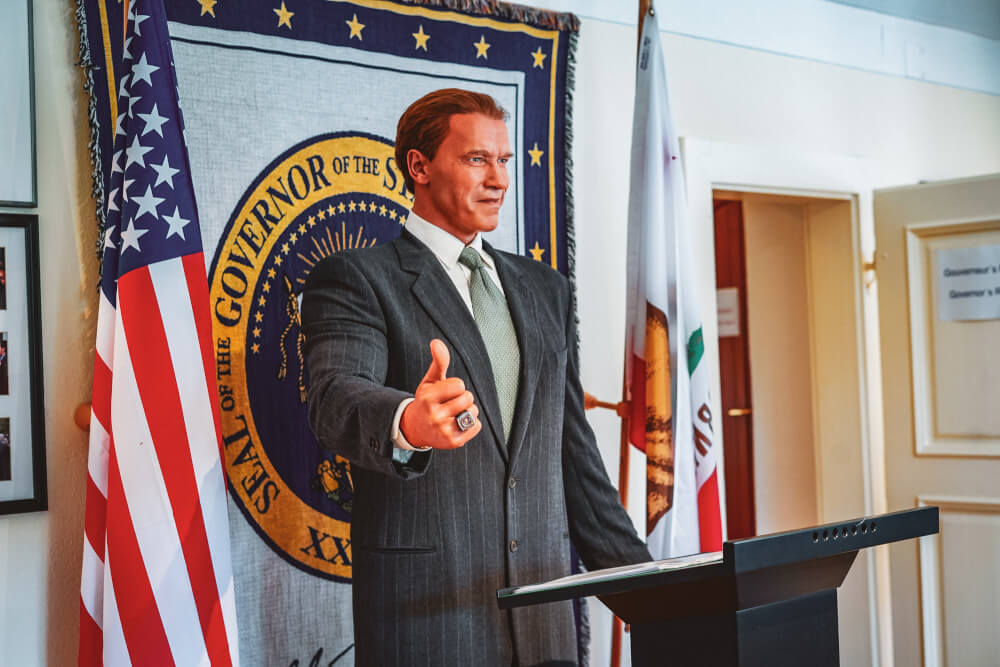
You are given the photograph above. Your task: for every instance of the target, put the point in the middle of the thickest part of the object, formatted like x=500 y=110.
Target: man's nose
x=497 y=177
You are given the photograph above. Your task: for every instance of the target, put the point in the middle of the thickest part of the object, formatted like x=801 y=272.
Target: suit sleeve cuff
x=399 y=441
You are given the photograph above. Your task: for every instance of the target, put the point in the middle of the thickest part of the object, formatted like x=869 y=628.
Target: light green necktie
x=489 y=307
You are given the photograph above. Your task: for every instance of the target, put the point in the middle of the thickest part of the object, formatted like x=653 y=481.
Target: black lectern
x=762 y=602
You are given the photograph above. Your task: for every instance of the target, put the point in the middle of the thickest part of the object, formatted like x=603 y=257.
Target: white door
x=938 y=265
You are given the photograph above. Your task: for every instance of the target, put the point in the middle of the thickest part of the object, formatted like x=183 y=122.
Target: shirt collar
x=446 y=248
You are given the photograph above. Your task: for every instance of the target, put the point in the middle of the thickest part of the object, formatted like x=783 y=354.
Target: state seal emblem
x=324 y=195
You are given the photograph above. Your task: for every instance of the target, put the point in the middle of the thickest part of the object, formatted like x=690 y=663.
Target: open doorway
x=791 y=371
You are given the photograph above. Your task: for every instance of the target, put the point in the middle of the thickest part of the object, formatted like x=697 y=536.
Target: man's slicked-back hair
x=424 y=124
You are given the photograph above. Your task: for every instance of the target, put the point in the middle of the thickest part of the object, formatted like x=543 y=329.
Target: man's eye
x=504 y=160
x=476 y=160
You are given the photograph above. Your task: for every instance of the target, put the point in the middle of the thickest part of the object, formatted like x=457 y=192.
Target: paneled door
x=938 y=266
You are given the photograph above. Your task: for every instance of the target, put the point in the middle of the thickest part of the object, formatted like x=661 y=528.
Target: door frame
x=712 y=165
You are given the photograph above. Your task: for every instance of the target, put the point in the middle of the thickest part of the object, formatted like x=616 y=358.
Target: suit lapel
x=521 y=302
x=435 y=292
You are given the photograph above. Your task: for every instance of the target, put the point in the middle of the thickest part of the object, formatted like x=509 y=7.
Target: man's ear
x=418 y=165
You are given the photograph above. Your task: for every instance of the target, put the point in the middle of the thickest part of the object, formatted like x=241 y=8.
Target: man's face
x=465 y=183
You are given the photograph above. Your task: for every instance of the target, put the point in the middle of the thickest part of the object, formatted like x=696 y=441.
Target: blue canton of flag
x=157 y=582
x=151 y=212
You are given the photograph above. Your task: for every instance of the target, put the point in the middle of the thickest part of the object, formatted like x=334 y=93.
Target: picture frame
x=18 y=172
x=23 y=476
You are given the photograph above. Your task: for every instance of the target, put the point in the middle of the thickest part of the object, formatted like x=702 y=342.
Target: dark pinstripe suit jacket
x=434 y=539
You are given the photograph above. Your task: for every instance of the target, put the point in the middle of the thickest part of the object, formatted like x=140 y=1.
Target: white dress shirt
x=447 y=249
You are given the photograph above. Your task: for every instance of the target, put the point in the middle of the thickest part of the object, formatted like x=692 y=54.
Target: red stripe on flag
x=197 y=283
x=94 y=521
x=142 y=627
x=100 y=399
x=91 y=640
x=156 y=381
x=637 y=404
x=709 y=519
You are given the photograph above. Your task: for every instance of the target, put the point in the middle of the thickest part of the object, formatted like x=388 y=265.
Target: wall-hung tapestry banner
x=290 y=110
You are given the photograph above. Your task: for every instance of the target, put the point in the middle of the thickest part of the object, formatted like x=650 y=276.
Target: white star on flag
x=141 y=71
x=125 y=186
x=134 y=153
x=176 y=223
x=138 y=18
x=108 y=243
x=164 y=172
x=154 y=121
x=111 y=201
x=147 y=203
x=132 y=99
x=116 y=161
x=131 y=236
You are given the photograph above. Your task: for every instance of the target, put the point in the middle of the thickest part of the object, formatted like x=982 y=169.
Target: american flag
x=157 y=584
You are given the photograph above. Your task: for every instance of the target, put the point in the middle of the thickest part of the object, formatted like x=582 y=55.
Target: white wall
x=40 y=552
x=912 y=130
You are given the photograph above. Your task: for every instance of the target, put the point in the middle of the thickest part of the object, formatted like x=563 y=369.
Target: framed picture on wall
x=22 y=429
x=17 y=115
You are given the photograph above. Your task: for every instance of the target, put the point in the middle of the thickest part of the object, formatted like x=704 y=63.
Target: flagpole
x=623 y=451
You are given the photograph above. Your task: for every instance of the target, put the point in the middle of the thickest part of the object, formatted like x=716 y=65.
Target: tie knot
x=470 y=258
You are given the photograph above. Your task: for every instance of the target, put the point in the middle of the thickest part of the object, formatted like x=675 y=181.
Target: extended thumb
x=440 y=359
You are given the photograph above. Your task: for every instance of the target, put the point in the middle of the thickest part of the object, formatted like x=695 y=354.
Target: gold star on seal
x=382 y=210
x=341 y=207
x=284 y=16
x=262 y=301
x=481 y=47
x=392 y=213
x=302 y=229
x=255 y=348
x=331 y=210
x=356 y=28
x=536 y=252
x=256 y=332
x=266 y=287
x=294 y=237
x=421 y=38
x=322 y=214
x=536 y=155
x=352 y=206
x=257 y=317
x=539 y=58
x=207 y=7
x=363 y=206
x=271 y=273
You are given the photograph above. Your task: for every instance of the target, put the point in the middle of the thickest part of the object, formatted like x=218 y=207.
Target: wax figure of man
x=406 y=340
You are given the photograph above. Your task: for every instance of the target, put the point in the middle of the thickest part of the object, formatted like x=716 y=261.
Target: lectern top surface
x=617 y=573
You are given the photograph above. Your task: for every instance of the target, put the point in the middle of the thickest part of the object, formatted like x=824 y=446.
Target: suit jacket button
x=512 y=482
x=374 y=444
x=513 y=546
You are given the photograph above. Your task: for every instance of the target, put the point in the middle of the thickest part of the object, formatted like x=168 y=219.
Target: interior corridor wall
x=912 y=130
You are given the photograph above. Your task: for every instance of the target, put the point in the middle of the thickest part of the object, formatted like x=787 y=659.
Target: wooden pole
x=645 y=6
